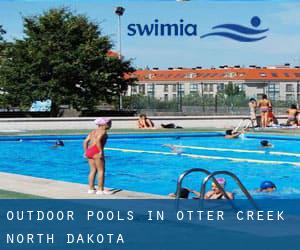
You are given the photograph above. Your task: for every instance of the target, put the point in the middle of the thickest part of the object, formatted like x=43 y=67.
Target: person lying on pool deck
x=93 y=147
x=145 y=123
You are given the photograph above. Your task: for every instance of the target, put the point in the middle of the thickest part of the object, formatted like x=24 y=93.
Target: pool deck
x=61 y=190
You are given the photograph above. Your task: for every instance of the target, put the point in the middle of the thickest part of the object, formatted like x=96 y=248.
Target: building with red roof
x=278 y=82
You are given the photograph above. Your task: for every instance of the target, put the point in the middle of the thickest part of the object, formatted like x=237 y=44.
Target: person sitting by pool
x=58 y=143
x=232 y=134
x=266 y=144
x=93 y=147
x=292 y=115
x=145 y=123
x=267 y=186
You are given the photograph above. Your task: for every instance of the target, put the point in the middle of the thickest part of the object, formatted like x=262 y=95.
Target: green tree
x=62 y=57
x=233 y=90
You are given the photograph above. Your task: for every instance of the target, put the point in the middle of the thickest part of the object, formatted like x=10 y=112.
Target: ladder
x=211 y=176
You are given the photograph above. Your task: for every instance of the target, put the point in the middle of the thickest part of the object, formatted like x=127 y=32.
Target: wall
x=119 y=122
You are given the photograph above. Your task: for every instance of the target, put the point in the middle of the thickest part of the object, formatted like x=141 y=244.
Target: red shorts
x=92 y=151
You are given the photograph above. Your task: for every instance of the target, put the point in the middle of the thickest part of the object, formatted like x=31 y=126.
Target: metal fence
x=237 y=105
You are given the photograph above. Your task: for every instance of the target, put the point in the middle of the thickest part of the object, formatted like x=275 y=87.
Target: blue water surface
x=139 y=164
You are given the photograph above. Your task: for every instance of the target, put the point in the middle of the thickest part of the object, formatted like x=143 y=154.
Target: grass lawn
x=12 y=195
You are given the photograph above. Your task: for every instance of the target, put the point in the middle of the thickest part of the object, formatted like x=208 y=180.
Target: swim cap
x=267 y=184
x=264 y=143
x=102 y=121
x=221 y=181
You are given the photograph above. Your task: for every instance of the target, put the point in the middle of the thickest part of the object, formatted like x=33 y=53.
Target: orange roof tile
x=222 y=74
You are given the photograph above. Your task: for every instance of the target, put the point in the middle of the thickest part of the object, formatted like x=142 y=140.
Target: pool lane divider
x=205 y=156
x=239 y=150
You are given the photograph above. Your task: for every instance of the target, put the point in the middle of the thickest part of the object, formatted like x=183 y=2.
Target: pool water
x=143 y=163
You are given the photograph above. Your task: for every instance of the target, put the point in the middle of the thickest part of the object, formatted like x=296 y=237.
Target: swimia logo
x=231 y=31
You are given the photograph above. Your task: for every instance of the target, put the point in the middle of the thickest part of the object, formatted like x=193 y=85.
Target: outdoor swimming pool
x=140 y=162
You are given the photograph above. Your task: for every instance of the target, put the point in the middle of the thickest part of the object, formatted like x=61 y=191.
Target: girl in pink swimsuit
x=93 y=147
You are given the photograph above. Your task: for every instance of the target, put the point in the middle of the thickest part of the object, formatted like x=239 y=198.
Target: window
x=221 y=87
x=273 y=87
x=150 y=87
x=273 y=91
x=289 y=88
x=134 y=89
x=166 y=97
x=274 y=74
x=211 y=87
x=181 y=87
x=297 y=74
x=194 y=87
x=174 y=88
x=166 y=88
x=174 y=96
x=205 y=87
x=230 y=74
x=263 y=74
x=149 y=76
x=298 y=97
x=289 y=97
x=241 y=86
x=286 y=74
x=190 y=75
x=142 y=89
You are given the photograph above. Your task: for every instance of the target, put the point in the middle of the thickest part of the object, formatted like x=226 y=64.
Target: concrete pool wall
x=121 y=122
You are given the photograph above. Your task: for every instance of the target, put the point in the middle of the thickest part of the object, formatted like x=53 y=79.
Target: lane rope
x=205 y=156
x=239 y=150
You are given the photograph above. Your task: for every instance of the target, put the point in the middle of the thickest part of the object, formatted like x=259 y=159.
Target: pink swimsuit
x=92 y=151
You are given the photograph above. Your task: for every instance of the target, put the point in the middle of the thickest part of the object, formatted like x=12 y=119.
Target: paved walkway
x=60 y=189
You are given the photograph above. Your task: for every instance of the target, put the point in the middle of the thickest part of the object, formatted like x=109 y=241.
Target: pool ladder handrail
x=235 y=178
x=202 y=170
x=209 y=176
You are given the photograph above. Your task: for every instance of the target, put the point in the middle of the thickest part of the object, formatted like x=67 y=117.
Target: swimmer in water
x=267 y=187
x=174 y=148
x=183 y=193
x=215 y=193
x=232 y=134
x=266 y=144
x=58 y=143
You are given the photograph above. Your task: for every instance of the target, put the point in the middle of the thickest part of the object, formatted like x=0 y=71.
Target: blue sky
x=282 y=44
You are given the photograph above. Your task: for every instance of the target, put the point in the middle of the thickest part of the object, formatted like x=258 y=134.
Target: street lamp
x=119 y=11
